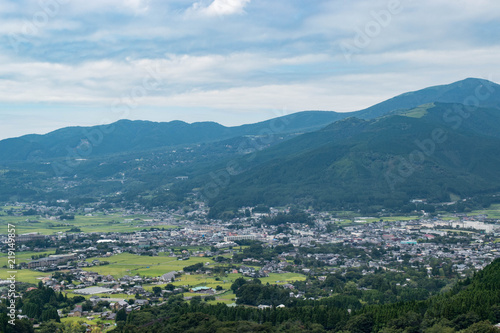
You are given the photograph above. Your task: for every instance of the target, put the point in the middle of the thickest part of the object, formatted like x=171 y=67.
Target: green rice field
x=130 y=264
x=24 y=275
x=95 y=223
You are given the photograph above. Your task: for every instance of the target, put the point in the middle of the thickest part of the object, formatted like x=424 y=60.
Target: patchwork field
x=97 y=223
x=130 y=264
x=24 y=275
x=23 y=256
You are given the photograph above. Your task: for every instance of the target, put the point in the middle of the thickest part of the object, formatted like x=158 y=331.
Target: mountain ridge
x=127 y=135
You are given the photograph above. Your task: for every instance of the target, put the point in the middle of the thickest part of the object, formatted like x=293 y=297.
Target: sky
x=76 y=62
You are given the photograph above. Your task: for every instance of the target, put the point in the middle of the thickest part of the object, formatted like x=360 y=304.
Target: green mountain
x=136 y=136
x=471 y=91
x=320 y=158
x=434 y=151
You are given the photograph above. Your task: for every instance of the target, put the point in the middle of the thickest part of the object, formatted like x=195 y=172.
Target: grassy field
x=361 y=219
x=23 y=256
x=130 y=264
x=275 y=278
x=120 y=296
x=204 y=280
x=226 y=298
x=24 y=275
x=226 y=281
x=96 y=223
x=418 y=112
x=493 y=212
x=76 y=321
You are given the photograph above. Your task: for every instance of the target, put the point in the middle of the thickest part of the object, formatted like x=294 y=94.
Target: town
x=156 y=255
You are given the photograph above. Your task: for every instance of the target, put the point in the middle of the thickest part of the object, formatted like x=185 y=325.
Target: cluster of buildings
x=472 y=246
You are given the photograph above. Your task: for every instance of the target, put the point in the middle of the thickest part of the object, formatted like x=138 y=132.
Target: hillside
x=470 y=91
x=387 y=161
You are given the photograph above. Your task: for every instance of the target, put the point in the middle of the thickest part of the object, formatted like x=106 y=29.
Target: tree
x=362 y=323
x=74 y=327
x=49 y=327
x=121 y=315
x=482 y=327
x=157 y=290
x=440 y=327
x=195 y=300
x=238 y=283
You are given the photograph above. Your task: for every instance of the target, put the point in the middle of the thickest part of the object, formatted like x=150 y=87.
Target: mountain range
x=128 y=136
x=439 y=144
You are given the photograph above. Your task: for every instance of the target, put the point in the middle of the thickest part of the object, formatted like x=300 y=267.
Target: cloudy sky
x=76 y=62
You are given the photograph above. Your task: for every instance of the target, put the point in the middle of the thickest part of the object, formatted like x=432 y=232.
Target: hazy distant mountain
x=136 y=136
x=130 y=136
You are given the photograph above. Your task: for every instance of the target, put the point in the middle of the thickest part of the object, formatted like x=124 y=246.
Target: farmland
x=96 y=223
x=130 y=264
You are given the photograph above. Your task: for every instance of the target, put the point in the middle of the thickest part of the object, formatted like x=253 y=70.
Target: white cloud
x=138 y=5
x=221 y=7
x=280 y=54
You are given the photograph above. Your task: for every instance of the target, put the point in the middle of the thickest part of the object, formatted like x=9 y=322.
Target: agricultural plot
x=88 y=224
x=399 y=218
x=24 y=275
x=227 y=298
x=75 y=323
x=493 y=212
x=275 y=278
x=226 y=281
x=23 y=256
x=113 y=296
x=360 y=220
x=130 y=264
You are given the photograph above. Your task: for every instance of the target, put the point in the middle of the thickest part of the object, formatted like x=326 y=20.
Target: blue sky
x=75 y=62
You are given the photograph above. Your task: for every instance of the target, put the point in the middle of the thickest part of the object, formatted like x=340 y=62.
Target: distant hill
x=428 y=152
x=136 y=136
